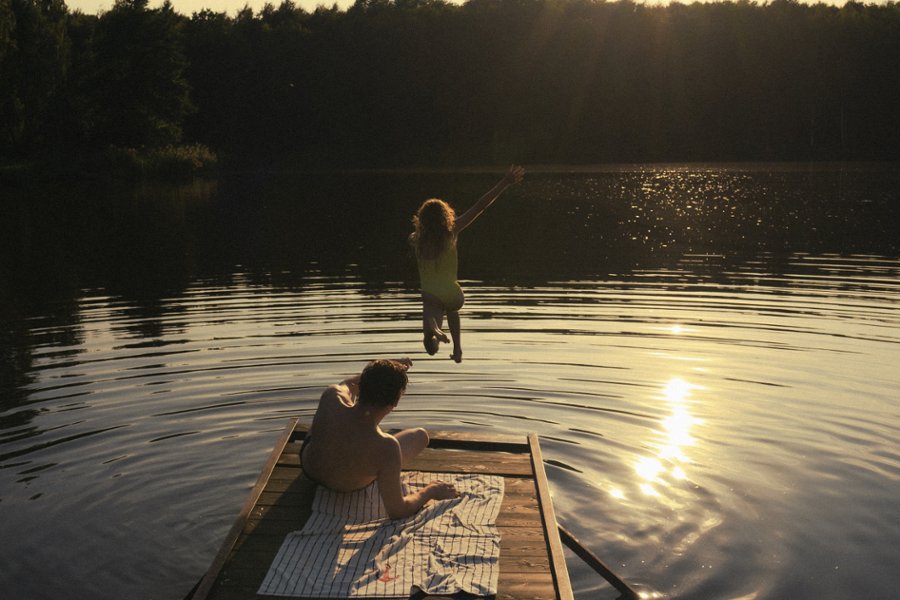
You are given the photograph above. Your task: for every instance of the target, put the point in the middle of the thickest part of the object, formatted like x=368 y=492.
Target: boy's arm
x=513 y=176
x=396 y=504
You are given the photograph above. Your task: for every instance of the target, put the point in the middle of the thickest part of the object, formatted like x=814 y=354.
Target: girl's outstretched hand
x=514 y=175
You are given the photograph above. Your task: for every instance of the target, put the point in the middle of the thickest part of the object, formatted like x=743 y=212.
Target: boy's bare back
x=346 y=449
x=346 y=453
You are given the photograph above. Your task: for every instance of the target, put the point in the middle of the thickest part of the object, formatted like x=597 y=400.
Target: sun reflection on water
x=668 y=464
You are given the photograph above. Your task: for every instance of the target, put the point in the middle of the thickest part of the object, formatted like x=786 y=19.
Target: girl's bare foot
x=441 y=336
x=436 y=332
x=457 y=355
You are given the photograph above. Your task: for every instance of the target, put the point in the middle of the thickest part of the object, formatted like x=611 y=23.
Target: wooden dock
x=532 y=565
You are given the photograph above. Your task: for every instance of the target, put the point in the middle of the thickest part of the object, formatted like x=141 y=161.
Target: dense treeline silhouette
x=422 y=82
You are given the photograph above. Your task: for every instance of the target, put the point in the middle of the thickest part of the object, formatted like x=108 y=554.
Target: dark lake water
x=709 y=353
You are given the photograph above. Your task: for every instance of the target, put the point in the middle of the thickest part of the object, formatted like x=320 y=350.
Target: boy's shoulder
x=385 y=446
x=336 y=393
x=332 y=391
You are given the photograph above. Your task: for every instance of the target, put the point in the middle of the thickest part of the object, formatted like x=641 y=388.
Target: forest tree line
x=424 y=82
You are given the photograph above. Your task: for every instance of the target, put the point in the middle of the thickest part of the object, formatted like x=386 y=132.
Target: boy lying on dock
x=346 y=450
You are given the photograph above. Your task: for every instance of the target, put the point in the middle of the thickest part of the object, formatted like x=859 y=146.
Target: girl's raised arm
x=513 y=176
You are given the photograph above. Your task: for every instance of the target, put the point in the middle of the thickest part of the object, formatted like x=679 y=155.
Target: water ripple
x=691 y=418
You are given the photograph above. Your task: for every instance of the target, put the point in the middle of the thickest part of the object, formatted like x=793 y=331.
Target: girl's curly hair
x=433 y=224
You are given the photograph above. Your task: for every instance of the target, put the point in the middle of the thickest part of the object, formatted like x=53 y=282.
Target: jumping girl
x=436 y=232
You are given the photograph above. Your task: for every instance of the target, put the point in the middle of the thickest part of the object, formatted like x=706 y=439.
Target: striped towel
x=349 y=547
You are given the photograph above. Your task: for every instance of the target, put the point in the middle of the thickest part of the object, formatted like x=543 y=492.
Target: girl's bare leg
x=412 y=442
x=432 y=320
x=453 y=323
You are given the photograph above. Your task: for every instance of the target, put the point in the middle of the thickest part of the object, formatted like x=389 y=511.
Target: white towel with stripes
x=349 y=548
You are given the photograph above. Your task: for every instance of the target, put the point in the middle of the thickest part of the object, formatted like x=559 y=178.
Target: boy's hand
x=442 y=491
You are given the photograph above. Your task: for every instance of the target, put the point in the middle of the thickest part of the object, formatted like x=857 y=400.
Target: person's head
x=434 y=227
x=382 y=383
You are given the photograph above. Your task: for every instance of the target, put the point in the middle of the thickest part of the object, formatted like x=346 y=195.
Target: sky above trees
x=188 y=7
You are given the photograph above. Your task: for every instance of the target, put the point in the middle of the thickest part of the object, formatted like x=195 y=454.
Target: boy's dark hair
x=382 y=382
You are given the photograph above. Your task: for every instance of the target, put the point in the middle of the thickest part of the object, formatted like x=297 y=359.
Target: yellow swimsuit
x=438 y=277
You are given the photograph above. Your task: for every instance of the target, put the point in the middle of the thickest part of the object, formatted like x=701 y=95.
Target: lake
x=709 y=353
